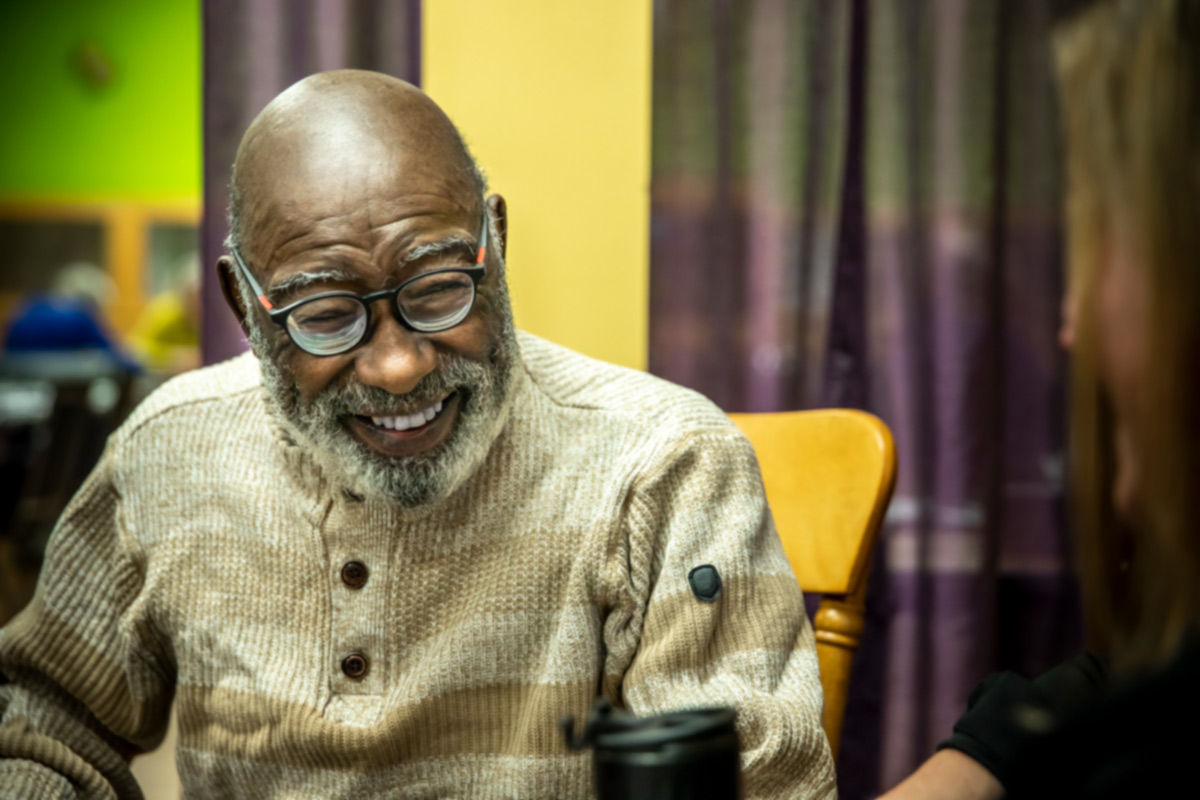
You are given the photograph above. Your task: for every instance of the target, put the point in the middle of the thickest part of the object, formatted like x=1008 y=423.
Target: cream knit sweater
x=202 y=561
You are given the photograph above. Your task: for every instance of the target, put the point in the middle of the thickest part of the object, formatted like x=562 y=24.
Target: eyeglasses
x=334 y=322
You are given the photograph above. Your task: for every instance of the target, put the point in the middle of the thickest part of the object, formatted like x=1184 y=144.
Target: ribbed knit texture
x=202 y=560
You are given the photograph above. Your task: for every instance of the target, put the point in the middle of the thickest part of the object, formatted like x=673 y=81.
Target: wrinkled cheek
x=280 y=346
x=470 y=340
x=312 y=377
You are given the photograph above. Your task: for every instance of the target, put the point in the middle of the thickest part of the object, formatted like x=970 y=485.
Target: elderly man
x=383 y=555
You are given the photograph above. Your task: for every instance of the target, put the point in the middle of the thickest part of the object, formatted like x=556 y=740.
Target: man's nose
x=394 y=358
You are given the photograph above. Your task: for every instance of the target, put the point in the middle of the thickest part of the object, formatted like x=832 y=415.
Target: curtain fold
x=746 y=178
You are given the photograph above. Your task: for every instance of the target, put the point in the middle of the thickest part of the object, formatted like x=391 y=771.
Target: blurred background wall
x=101 y=99
x=101 y=138
x=554 y=101
x=779 y=203
x=99 y=204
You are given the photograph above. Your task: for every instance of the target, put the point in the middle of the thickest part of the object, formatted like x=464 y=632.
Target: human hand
x=948 y=775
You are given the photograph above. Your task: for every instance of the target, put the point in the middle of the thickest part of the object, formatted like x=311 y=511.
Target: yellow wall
x=553 y=99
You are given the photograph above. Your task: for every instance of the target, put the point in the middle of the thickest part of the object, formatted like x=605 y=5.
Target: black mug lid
x=679 y=727
x=611 y=729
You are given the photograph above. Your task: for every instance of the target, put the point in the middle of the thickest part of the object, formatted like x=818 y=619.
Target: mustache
x=358 y=399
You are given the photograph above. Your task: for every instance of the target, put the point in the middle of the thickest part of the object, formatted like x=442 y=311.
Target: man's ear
x=499 y=210
x=229 y=288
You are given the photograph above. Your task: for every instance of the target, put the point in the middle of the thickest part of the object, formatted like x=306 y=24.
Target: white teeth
x=415 y=420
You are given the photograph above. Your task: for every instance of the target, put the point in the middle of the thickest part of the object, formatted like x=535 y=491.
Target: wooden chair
x=829 y=476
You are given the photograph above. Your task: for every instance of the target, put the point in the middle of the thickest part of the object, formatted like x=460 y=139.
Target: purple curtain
x=857 y=203
x=747 y=156
x=254 y=49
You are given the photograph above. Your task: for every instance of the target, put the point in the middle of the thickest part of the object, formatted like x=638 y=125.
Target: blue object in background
x=45 y=323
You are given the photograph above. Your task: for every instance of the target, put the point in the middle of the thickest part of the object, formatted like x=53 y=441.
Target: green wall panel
x=136 y=135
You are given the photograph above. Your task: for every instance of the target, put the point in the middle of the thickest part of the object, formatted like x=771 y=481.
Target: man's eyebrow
x=294 y=283
x=459 y=243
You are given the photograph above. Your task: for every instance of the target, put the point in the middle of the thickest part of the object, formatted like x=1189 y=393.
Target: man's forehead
x=316 y=189
x=351 y=160
x=351 y=146
x=336 y=197
x=403 y=224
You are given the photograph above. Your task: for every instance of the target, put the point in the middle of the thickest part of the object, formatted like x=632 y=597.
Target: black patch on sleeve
x=705 y=582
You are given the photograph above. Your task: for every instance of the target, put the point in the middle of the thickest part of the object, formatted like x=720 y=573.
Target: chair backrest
x=828 y=476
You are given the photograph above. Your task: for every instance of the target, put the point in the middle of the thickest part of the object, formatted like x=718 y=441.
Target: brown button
x=354 y=665
x=354 y=574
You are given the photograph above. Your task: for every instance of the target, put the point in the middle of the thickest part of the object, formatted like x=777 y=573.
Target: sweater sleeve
x=685 y=642
x=84 y=684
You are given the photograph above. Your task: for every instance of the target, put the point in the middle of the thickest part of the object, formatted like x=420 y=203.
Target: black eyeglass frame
x=280 y=315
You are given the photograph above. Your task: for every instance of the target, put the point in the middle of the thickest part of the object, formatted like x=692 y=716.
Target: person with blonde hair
x=1121 y=726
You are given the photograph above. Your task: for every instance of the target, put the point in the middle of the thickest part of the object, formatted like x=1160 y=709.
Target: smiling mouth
x=413 y=422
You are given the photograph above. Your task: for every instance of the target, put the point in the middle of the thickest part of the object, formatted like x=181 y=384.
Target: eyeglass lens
x=428 y=303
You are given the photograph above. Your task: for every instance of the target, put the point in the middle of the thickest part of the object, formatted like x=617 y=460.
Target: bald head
x=346 y=136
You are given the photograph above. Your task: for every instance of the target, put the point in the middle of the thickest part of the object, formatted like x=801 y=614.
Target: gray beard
x=319 y=425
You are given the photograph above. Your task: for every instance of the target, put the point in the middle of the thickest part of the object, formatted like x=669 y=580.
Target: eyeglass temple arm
x=258 y=290
x=483 y=238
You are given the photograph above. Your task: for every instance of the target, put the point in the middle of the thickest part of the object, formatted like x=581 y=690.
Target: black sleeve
x=1006 y=713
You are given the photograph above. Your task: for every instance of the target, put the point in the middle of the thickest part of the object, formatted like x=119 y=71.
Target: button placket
x=357 y=546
